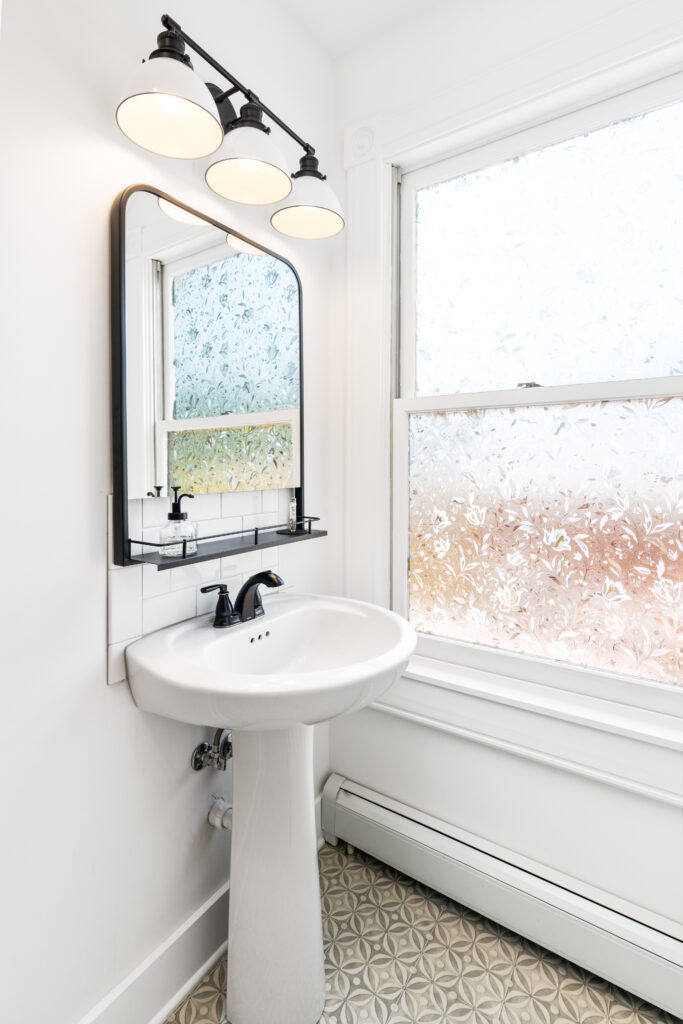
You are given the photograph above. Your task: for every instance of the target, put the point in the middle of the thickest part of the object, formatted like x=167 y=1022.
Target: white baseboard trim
x=637 y=958
x=184 y=991
x=150 y=992
x=189 y=953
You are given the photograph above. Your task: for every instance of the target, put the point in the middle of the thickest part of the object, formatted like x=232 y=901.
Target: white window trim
x=650 y=696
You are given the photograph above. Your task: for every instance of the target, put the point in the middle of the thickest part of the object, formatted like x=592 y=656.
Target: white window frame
x=651 y=696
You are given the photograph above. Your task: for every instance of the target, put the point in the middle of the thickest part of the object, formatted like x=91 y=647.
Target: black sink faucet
x=248 y=604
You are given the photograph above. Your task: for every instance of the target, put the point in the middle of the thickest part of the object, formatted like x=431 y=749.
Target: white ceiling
x=340 y=27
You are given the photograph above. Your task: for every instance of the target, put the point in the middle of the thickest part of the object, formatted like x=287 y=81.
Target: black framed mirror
x=207 y=367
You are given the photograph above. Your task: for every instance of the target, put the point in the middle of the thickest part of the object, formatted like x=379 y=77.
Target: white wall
x=104 y=847
x=497 y=760
x=457 y=54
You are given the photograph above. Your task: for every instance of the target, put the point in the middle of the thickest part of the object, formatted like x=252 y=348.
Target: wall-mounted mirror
x=207 y=358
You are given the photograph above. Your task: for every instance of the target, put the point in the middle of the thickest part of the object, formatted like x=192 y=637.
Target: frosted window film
x=236 y=337
x=554 y=531
x=562 y=266
x=254 y=458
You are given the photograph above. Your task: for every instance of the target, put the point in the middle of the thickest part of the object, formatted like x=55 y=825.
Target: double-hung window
x=538 y=436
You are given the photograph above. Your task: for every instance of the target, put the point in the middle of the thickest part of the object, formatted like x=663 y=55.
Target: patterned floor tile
x=396 y=952
x=206 y=1002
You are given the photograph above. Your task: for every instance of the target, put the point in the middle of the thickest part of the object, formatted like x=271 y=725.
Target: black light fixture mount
x=309 y=168
x=252 y=99
x=170 y=44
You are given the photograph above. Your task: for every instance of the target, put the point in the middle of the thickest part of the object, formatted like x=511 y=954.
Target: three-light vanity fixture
x=170 y=111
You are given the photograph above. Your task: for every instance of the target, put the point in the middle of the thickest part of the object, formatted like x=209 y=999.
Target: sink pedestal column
x=275 y=948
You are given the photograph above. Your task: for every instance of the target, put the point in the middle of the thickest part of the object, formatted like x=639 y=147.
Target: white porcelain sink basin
x=307 y=659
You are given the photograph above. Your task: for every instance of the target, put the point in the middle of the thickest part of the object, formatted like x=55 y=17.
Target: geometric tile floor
x=396 y=952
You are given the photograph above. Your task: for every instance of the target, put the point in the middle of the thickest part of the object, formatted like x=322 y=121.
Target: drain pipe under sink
x=220 y=814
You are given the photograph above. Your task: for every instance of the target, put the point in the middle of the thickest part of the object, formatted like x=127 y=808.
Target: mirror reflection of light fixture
x=249 y=167
x=177 y=213
x=168 y=109
x=240 y=245
x=312 y=210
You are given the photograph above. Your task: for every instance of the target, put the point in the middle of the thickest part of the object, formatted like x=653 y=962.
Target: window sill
x=652 y=727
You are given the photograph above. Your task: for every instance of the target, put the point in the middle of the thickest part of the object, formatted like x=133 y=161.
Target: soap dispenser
x=178 y=529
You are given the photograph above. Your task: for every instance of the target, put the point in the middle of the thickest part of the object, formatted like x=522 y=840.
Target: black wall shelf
x=224 y=544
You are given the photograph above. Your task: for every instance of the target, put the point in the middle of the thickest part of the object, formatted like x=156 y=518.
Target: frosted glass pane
x=562 y=266
x=255 y=458
x=236 y=337
x=553 y=531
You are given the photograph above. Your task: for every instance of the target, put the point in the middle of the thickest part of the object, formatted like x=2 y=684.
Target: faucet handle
x=225 y=613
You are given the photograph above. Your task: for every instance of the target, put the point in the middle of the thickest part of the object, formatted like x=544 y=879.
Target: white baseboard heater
x=638 y=958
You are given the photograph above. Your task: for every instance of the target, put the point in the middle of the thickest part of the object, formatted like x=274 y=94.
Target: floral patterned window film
x=259 y=457
x=235 y=337
x=554 y=531
x=561 y=266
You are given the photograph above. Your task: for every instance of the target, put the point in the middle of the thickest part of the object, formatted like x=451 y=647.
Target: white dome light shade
x=169 y=111
x=240 y=245
x=250 y=169
x=182 y=216
x=312 y=211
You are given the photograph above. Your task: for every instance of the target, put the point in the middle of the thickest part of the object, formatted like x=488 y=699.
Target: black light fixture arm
x=173 y=26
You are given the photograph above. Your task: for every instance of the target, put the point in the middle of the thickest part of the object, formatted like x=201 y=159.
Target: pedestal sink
x=308 y=659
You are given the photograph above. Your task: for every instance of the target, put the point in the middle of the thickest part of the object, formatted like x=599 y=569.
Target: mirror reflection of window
x=213 y=374
x=231 y=334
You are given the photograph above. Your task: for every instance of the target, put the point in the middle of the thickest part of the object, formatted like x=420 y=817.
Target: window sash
x=644 y=694
x=630 y=690
x=513 y=145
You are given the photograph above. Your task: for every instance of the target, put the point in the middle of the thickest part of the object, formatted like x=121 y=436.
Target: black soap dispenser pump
x=179 y=535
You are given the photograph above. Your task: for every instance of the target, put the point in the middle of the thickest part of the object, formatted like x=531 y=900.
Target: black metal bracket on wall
x=120 y=527
x=175 y=31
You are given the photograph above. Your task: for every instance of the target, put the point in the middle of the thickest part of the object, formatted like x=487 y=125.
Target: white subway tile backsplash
x=125 y=603
x=154 y=582
x=166 y=609
x=193 y=575
x=262 y=520
x=208 y=527
x=249 y=562
x=135 y=519
x=151 y=533
x=270 y=558
x=283 y=498
x=135 y=525
x=241 y=503
x=155 y=511
x=270 y=501
x=203 y=506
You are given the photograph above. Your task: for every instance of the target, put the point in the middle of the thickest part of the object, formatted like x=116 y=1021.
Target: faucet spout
x=248 y=604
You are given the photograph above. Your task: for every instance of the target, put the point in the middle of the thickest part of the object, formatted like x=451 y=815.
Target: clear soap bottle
x=178 y=530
